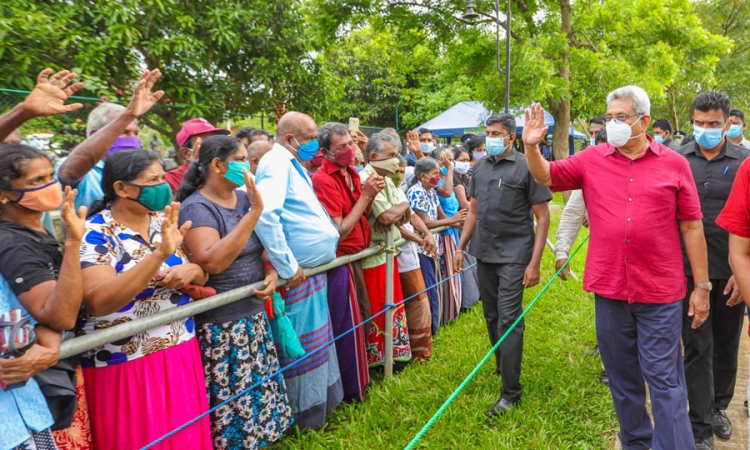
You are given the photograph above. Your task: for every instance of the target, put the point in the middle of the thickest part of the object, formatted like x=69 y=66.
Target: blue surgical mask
x=734 y=131
x=426 y=148
x=307 y=152
x=592 y=141
x=659 y=139
x=496 y=146
x=708 y=137
x=462 y=167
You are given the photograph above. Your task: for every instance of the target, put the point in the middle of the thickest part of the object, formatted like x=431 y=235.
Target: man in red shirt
x=193 y=132
x=641 y=199
x=338 y=187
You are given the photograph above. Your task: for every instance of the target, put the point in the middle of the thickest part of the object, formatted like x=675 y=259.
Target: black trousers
x=711 y=357
x=501 y=289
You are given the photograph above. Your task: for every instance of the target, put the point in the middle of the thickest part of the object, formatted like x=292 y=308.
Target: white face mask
x=618 y=133
x=462 y=167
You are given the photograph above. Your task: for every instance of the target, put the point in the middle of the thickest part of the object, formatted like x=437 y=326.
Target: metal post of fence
x=390 y=253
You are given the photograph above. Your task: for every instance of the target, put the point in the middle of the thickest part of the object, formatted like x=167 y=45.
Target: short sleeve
x=688 y=202
x=325 y=189
x=380 y=204
x=567 y=174
x=97 y=249
x=735 y=217
x=200 y=213
x=419 y=201
x=536 y=192
x=401 y=196
x=24 y=266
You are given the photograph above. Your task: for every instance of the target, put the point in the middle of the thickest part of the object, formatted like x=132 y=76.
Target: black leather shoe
x=604 y=378
x=501 y=407
x=704 y=443
x=722 y=424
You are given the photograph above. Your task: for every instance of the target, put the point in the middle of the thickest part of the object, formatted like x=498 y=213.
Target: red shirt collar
x=655 y=147
x=332 y=169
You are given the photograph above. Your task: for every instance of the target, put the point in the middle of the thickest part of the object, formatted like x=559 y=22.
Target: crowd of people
x=253 y=208
x=240 y=209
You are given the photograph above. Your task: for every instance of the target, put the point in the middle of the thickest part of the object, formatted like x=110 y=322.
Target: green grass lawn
x=563 y=406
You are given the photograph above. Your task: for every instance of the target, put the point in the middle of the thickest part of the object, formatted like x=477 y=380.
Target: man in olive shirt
x=711 y=349
x=503 y=196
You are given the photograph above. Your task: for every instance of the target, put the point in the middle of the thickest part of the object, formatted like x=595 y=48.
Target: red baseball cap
x=197 y=126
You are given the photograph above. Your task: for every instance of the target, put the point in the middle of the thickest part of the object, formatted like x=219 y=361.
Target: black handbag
x=58 y=384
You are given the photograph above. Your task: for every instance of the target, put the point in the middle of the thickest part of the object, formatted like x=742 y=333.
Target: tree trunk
x=560 y=107
x=671 y=100
x=560 y=110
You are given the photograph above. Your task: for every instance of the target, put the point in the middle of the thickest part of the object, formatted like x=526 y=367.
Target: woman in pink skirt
x=142 y=387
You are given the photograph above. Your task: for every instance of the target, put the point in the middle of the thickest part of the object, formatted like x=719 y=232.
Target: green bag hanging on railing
x=283 y=331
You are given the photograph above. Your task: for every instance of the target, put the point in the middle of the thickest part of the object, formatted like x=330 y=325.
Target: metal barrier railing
x=127 y=329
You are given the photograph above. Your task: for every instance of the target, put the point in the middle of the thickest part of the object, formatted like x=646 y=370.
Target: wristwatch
x=707 y=286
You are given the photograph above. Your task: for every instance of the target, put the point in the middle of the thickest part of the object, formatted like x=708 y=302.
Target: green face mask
x=397 y=178
x=234 y=173
x=155 y=197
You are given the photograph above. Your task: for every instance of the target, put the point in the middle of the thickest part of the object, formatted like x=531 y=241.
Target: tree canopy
x=340 y=58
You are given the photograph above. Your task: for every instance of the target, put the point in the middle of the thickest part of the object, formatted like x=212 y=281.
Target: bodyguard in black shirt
x=711 y=349
x=504 y=200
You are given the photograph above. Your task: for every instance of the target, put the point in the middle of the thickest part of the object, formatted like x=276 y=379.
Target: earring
x=4 y=201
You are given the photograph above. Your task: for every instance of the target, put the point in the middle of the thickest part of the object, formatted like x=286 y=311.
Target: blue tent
x=464 y=117
x=549 y=121
x=469 y=117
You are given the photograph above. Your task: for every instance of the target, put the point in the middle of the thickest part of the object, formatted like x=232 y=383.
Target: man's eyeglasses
x=620 y=117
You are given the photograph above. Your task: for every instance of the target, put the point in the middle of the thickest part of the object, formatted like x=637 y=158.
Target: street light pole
x=470 y=15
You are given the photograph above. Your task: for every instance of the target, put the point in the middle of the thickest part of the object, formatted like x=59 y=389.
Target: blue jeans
x=641 y=342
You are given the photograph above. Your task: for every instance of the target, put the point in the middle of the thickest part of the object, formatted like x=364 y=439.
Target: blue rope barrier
x=276 y=374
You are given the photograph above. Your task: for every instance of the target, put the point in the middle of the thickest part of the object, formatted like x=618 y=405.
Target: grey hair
x=641 y=102
x=401 y=160
x=439 y=151
x=100 y=116
x=329 y=129
x=424 y=166
x=377 y=142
